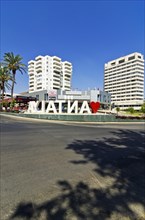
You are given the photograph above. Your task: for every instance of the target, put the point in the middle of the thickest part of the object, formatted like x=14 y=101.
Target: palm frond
x=14 y=62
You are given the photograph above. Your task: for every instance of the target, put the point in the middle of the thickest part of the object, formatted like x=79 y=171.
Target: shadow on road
x=120 y=158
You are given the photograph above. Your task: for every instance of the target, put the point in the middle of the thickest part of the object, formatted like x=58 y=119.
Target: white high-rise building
x=124 y=79
x=49 y=73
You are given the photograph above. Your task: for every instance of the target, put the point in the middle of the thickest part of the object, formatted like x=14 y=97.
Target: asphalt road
x=71 y=170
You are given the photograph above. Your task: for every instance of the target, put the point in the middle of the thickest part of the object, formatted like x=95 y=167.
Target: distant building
x=8 y=95
x=124 y=79
x=44 y=94
x=19 y=102
x=49 y=73
x=94 y=95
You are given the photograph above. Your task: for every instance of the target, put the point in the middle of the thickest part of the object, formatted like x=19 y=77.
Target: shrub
x=131 y=110
x=143 y=108
x=117 y=109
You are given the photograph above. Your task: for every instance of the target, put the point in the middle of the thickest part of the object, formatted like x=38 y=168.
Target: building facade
x=49 y=73
x=92 y=95
x=124 y=79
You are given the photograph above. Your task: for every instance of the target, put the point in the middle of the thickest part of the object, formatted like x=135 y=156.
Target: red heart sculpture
x=95 y=106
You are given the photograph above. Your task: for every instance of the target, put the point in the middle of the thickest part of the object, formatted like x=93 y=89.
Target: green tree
x=143 y=108
x=117 y=109
x=131 y=110
x=13 y=102
x=14 y=64
x=4 y=104
x=4 y=78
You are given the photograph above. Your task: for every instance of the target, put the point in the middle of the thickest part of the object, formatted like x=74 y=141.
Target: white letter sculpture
x=33 y=107
x=85 y=108
x=51 y=107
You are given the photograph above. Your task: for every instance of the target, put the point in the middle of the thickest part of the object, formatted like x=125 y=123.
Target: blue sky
x=86 y=33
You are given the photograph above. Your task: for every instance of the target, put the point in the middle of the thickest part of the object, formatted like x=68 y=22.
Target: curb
x=66 y=122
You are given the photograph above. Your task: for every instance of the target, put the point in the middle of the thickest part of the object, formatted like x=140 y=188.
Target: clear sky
x=86 y=33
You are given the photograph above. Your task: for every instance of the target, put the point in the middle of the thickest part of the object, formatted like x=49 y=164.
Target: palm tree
x=14 y=64
x=4 y=78
x=117 y=109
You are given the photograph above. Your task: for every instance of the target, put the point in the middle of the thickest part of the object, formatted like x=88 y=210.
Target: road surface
x=71 y=170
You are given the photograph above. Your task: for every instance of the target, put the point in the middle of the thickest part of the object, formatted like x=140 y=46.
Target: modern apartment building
x=49 y=73
x=124 y=79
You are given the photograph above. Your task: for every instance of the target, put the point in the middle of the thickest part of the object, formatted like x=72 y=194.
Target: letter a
x=85 y=107
x=33 y=107
x=51 y=107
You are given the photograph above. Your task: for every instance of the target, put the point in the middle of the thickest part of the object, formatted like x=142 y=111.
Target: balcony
x=31 y=62
x=39 y=88
x=67 y=75
x=31 y=73
x=67 y=83
x=56 y=73
x=56 y=58
x=57 y=69
x=68 y=68
x=39 y=69
x=56 y=82
x=56 y=78
x=38 y=66
x=31 y=79
x=67 y=79
x=39 y=58
x=30 y=68
x=67 y=63
x=31 y=86
x=56 y=63
x=38 y=63
x=67 y=72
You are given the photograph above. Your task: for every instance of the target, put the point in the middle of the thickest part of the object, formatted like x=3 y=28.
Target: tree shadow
x=79 y=201
x=120 y=159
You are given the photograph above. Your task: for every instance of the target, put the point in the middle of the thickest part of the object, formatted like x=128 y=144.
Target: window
x=131 y=58
x=46 y=96
x=37 y=97
x=121 y=61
